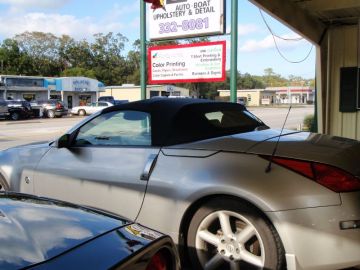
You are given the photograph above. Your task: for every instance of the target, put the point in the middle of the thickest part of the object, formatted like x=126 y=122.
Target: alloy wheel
x=226 y=237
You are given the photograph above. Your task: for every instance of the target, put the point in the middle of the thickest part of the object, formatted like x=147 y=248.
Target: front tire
x=50 y=114
x=230 y=234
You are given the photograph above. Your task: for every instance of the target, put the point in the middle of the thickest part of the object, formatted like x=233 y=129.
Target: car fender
x=19 y=162
x=178 y=182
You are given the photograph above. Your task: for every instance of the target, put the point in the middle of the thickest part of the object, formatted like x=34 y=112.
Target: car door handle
x=149 y=166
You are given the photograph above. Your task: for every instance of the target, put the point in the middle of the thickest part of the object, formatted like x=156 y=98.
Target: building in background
x=251 y=97
x=132 y=92
x=294 y=94
x=272 y=96
x=73 y=91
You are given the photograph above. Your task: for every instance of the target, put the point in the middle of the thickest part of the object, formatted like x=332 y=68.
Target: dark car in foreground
x=230 y=191
x=40 y=233
x=19 y=109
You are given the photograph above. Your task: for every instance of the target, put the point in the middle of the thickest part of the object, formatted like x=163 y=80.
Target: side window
x=232 y=119
x=102 y=104
x=120 y=128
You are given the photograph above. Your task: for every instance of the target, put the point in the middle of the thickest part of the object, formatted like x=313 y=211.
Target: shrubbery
x=309 y=122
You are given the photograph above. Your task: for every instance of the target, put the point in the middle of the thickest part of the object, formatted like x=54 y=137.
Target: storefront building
x=131 y=92
x=272 y=95
x=22 y=87
x=294 y=94
x=251 y=97
x=73 y=91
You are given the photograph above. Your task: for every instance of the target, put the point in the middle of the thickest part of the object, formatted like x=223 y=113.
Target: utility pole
x=143 y=65
x=234 y=48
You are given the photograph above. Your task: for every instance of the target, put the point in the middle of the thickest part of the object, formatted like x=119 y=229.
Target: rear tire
x=15 y=116
x=229 y=234
x=82 y=113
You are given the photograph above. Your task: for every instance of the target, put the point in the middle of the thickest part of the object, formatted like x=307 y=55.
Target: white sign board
x=187 y=18
x=198 y=62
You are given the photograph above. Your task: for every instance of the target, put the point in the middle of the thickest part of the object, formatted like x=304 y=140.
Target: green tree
x=13 y=60
x=43 y=50
x=133 y=63
x=78 y=71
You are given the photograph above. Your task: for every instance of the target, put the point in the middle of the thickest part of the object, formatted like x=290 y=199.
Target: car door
x=106 y=166
x=91 y=108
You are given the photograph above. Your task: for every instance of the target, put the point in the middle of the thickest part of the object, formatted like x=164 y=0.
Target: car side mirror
x=64 y=141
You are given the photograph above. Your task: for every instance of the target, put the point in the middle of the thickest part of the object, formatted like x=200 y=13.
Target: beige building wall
x=253 y=97
x=133 y=93
x=130 y=94
x=343 y=51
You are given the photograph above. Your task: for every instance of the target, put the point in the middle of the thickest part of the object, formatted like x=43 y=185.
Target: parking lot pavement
x=14 y=133
x=275 y=117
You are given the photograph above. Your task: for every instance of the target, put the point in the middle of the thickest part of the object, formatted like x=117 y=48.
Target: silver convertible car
x=232 y=193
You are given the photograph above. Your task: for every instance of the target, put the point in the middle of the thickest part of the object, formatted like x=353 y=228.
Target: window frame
x=75 y=134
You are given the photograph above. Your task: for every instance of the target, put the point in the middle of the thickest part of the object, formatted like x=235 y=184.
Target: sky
x=83 y=18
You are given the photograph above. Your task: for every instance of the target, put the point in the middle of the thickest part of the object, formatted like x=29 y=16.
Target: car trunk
x=332 y=150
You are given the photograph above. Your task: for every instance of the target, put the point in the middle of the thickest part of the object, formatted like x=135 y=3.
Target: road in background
x=13 y=133
x=275 y=117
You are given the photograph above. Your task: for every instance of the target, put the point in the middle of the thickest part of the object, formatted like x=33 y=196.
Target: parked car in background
x=4 y=111
x=40 y=233
x=242 y=100
x=230 y=191
x=120 y=101
x=52 y=108
x=90 y=108
x=19 y=109
x=110 y=99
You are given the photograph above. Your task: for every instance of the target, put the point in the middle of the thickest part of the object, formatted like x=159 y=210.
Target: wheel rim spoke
x=251 y=258
x=214 y=263
x=245 y=234
x=225 y=224
x=208 y=237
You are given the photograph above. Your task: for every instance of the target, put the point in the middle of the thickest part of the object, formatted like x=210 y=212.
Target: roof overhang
x=311 y=18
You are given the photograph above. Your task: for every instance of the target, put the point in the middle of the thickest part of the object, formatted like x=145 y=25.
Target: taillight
x=160 y=261
x=328 y=176
x=58 y=106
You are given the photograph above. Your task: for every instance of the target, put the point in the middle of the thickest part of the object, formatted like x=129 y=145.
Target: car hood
x=34 y=229
x=332 y=150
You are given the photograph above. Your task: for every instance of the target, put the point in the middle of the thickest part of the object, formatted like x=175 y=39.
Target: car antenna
x=268 y=168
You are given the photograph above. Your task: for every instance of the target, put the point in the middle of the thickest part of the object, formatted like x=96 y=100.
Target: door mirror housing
x=64 y=141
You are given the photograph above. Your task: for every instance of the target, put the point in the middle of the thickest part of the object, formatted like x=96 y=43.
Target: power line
x=272 y=32
x=274 y=36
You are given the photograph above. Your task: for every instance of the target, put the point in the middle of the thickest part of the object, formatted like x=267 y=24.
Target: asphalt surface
x=13 y=133
x=275 y=117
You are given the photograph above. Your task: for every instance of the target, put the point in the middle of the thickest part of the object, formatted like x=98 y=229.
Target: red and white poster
x=197 y=62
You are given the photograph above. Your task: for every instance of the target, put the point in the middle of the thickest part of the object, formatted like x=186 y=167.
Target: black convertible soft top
x=182 y=120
